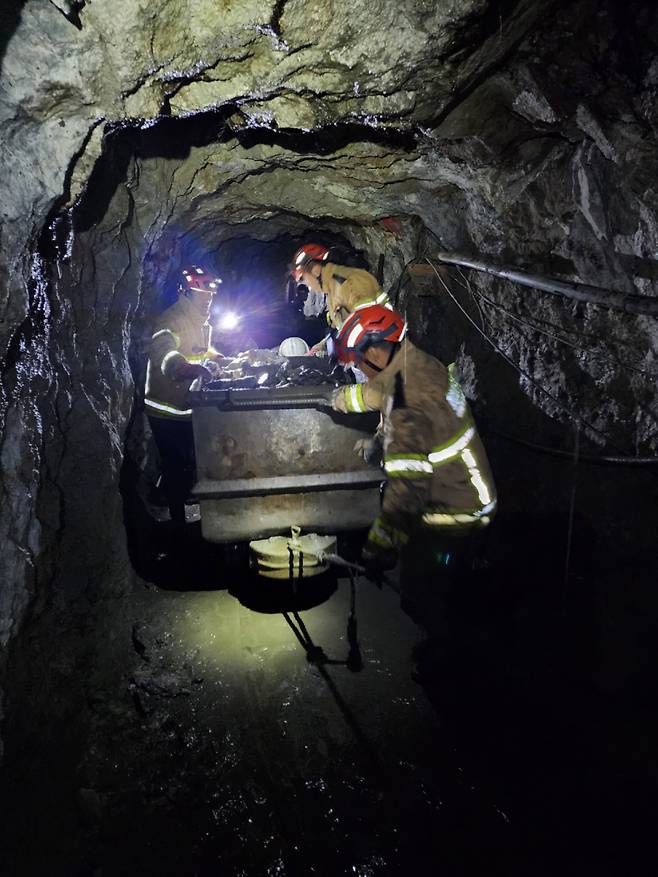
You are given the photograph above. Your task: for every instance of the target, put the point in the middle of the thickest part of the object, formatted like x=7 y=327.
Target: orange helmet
x=368 y=325
x=196 y=279
x=304 y=255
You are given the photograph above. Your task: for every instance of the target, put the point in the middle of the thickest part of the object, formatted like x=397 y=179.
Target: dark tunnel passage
x=176 y=701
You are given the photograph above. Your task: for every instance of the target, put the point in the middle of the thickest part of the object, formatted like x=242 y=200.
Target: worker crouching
x=180 y=345
x=439 y=489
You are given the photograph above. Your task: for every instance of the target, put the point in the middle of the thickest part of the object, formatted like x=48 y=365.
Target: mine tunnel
x=205 y=695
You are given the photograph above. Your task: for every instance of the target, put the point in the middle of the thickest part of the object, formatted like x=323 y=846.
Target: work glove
x=380 y=553
x=214 y=368
x=185 y=370
x=319 y=349
x=203 y=374
x=370 y=449
x=338 y=401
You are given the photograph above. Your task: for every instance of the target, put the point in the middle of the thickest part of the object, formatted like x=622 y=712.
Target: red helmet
x=196 y=279
x=305 y=254
x=368 y=325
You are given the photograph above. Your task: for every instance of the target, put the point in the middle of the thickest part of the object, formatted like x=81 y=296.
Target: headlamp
x=228 y=321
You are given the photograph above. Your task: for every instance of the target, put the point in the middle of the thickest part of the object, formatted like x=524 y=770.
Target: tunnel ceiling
x=286 y=112
x=350 y=94
x=289 y=112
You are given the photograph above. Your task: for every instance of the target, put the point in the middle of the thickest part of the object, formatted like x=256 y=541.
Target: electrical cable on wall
x=510 y=361
x=475 y=295
x=395 y=295
x=584 y=458
x=622 y=458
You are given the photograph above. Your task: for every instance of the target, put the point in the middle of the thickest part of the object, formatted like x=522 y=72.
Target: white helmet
x=293 y=347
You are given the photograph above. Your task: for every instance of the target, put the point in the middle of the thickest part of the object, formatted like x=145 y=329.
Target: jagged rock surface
x=503 y=130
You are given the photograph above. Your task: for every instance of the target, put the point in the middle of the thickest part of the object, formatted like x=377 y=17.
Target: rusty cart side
x=275 y=457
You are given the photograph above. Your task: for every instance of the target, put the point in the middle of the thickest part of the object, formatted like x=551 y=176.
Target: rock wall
x=520 y=131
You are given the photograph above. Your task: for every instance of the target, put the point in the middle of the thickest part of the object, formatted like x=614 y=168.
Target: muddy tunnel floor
x=181 y=730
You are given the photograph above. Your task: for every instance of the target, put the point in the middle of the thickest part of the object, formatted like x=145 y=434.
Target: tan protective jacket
x=180 y=331
x=346 y=288
x=436 y=466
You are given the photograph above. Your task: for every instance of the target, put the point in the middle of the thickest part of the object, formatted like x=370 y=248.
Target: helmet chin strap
x=371 y=364
x=378 y=368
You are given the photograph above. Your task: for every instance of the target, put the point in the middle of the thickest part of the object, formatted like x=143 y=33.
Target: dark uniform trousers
x=175 y=443
x=436 y=572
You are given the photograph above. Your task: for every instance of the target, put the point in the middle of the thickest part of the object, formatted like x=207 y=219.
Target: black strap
x=372 y=364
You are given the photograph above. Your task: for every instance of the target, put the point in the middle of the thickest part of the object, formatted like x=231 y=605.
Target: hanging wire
x=590 y=351
x=584 y=458
x=469 y=288
x=467 y=285
x=623 y=364
x=622 y=458
x=514 y=365
x=395 y=296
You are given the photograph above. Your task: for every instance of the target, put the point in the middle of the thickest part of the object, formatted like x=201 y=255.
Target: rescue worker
x=180 y=344
x=343 y=287
x=439 y=488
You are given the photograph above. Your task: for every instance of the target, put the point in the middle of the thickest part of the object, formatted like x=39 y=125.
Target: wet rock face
x=524 y=132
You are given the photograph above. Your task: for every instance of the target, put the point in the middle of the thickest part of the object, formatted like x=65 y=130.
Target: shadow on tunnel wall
x=10 y=17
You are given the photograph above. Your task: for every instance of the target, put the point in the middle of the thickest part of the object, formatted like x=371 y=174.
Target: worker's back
x=181 y=329
x=348 y=288
x=426 y=414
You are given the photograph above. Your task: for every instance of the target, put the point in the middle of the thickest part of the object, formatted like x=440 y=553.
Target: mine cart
x=271 y=458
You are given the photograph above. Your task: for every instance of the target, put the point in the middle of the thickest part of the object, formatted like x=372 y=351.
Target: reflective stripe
x=455 y=396
x=408 y=466
x=385 y=535
x=167 y=409
x=380 y=537
x=447 y=519
x=353 y=337
x=166 y=332
x=166 y=358
x=381 y=299
x=443 y=519
x=354 y=399
x=448 y=452
x=477 y=480
x=488 y=508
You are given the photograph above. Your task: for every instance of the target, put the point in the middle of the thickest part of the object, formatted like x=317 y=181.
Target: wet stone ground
x=182 y=731
x=239 y=754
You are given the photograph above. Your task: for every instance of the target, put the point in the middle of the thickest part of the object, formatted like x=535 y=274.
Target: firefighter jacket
x=437 y=470
x=346 y=289
x=180 y=331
